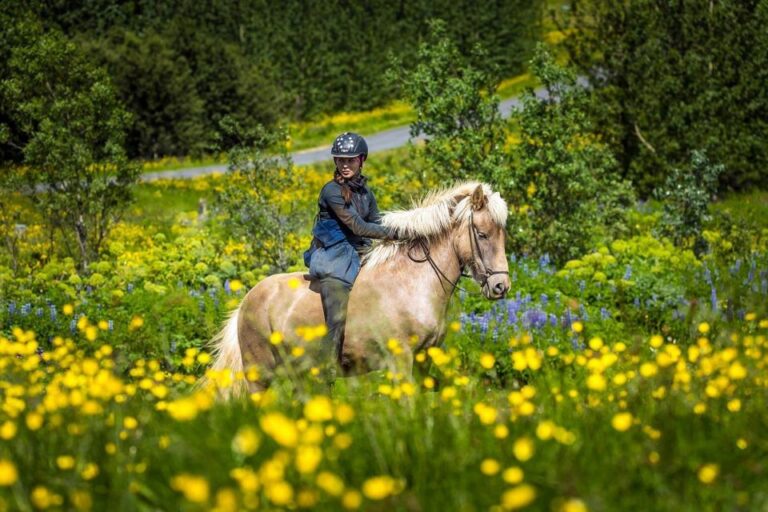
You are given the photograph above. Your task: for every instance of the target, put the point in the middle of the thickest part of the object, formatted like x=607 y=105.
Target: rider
x=347 y=219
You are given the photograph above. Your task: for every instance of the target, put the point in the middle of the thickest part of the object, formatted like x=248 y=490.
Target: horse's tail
x=228 y=360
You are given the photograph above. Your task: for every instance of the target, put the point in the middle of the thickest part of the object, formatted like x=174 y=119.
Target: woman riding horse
x=348 y=218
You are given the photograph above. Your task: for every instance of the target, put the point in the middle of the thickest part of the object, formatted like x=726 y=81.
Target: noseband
x=474 y=241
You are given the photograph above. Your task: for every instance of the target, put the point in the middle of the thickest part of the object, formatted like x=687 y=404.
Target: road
x=381 y=141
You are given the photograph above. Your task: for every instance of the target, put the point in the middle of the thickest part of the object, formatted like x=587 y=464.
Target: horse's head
x=479 y=240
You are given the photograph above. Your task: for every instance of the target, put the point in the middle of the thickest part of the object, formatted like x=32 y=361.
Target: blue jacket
x=341 y=232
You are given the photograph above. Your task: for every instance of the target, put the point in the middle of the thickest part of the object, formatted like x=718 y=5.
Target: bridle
x=474 y=242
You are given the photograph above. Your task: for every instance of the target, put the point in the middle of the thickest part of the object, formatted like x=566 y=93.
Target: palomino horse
x=401 y=293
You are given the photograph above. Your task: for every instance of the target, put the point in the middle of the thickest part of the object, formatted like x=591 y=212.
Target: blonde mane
x=434 y=216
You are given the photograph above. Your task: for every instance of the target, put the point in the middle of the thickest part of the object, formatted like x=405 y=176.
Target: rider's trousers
x=334 y=294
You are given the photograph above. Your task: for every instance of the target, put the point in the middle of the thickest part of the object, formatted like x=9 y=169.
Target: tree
x=260 y=170
x=157 y=86
x=672 y=77
x=70 y=132
x=456 y=110
x=563 y=181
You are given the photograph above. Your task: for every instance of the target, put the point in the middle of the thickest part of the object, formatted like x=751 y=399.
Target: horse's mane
x=434 y=216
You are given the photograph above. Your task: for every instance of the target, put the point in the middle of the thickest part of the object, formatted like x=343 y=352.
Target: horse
x=398 y=304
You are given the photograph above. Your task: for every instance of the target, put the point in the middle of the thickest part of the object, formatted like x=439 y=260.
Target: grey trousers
x=334 y=294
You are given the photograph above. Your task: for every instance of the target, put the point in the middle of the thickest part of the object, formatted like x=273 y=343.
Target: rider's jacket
x=342 y=232
x=358 y=221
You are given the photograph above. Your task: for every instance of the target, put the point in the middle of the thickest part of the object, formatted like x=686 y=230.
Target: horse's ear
x=478 y=198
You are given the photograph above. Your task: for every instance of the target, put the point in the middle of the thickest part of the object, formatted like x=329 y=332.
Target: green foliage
x=563 y=179
x=266 y=62
x=456 y=109
x=169 y=116
x=70 y=129
x=254 y=197
x=686 y=194
x=672 y=77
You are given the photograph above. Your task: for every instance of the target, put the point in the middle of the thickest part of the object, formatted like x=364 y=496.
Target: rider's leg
x=334 y=294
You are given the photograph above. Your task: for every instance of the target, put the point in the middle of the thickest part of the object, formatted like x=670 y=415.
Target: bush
x=562 y=182
x=257 y=198
x=686 y=194
x=456 y=110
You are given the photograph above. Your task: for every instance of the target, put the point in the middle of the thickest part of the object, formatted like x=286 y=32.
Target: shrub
x=686 y=194
x=563 y=182
x=456 y=110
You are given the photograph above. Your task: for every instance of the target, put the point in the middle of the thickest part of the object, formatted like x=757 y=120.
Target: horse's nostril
x=500 y=288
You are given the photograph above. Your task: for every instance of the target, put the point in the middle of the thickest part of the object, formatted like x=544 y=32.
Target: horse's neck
x=419 y=279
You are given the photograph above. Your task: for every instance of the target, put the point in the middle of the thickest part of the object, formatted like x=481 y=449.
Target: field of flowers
x=631 y=378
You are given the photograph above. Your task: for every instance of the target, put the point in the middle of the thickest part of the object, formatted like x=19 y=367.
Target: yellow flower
x=574 y=505
x=513 y=475
x=236 y=285
x=523 y=449
x=8 y=473
x=68 y=309
x=378 y=487
x=8 y=430
x=596 y=382
x=330 y=483
x=487 y=361
x=490 y=467
x=308 y=457
x=344 y=413
x=622 y=421
x=246 y=441
x=136 y=323
x=703 y=327
x=42 y=498
x=351 y=500
x=708 y=473
x=455 y=326
x=280 y=428
x=318 y=408
x=276 y=338
x=90 y=471
x=518 y=497
x=193 y=487
x=656 y=341
x=103 y=325
x=577 y=326
x=596 y=343
x=65 y=462
x=34 y=421
x=130 y=423
x=280 y=493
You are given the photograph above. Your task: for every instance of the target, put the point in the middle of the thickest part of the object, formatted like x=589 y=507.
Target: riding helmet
x=349 y=144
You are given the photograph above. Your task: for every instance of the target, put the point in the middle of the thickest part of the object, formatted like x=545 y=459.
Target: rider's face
x=348 y=167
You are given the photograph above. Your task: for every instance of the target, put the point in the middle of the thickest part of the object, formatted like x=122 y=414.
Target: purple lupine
x=129 y=287
x=713 y=299
x=39 y=312
x=72 y=325
x=12 y=308
x=111 y=325
x=605 y=314
x=553 y=320
x=227 y=287
x=567 y=318
x=628 y=273
x=53 y=312
x=543 y=299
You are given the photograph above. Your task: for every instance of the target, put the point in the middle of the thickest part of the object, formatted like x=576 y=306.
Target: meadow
x=633 y=377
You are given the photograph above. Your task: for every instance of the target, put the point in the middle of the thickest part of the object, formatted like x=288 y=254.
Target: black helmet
x=349 y=144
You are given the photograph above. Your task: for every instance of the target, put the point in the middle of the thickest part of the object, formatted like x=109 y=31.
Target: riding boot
x=334 y=294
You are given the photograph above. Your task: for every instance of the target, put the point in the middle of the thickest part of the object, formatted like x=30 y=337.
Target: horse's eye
x=482 y=235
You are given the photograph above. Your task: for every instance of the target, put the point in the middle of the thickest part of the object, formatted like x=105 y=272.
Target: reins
x=473 y=241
